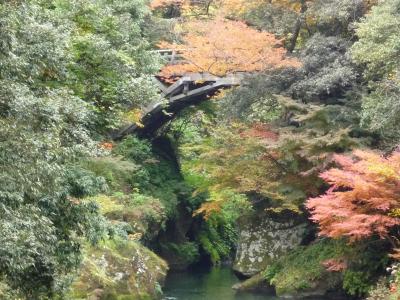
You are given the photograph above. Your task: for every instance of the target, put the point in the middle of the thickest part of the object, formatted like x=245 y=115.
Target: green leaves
x=378 y=50
x=111 y=66
x=378 y=46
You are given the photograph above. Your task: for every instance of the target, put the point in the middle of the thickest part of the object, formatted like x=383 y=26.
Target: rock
x=256 y=283
x=119 y=270
x=302 y=273
x=263 y=238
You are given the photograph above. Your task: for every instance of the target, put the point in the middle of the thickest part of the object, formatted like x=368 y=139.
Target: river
x=206 y=284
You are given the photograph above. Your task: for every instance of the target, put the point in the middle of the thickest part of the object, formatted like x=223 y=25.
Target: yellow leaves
x=135 y=237
x=395 y=213
x=378 y=167
x=215 y=204
x=207 y=209
x=238 y=7
x=134 y=116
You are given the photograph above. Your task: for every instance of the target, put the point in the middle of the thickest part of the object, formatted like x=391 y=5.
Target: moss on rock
x=301 y=272
x=256 y=283
x=120 y=270
x=145 y=214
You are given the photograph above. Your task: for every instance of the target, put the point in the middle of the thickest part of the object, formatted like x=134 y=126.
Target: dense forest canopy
x=312 y=133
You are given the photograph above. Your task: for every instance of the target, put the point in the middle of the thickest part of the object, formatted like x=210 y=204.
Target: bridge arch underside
x=189 y=90
x=161 y=115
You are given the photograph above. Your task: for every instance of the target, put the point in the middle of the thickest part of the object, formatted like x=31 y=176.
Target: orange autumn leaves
x=222 y=46
x=364 y=198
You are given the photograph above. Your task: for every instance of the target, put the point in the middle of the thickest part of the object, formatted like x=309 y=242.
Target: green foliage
x=187 y=252
x=381 y=110
x=83 y=182
x=378 y=45
x=307 y=266
x=134 y=149
x=42 y=131
x=116 y=171
x=111 y=66
x=218 y=236
x=336 y=17
x=326 y=71
x=356 y=283
x=302 y=268
x=267 y=159
x=59 y=62
x=271 y=18
x=145 y=215
x=157 y=175
x=379 y=54
x=366 y=262
x=325 y=77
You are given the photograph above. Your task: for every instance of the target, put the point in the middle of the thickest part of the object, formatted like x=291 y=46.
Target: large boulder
x=119 y=270
x=265 y=237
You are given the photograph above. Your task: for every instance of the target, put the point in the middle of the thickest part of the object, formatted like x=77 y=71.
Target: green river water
x=203 y=284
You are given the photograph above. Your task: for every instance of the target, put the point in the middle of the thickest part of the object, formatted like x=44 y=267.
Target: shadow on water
x=206 y=284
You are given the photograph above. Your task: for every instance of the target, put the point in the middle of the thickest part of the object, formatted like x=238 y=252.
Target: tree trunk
x=297 y=27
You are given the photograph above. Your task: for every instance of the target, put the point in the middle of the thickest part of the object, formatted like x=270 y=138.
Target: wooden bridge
x=190 y=89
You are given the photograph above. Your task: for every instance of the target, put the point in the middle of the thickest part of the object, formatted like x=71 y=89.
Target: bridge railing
x=171 y=56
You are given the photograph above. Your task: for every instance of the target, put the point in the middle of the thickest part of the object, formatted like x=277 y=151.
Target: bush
x=355 y=283
x=356 y=267
x=302 y=267
x=187 y=252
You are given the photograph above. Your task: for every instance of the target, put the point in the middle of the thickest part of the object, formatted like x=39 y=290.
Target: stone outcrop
x=256 y=283
x=263 y=238
x=119 y=270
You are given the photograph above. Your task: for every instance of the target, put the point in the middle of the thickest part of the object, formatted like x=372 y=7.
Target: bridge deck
x=190 y=89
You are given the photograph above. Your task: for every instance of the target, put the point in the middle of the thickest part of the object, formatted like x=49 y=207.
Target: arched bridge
x=190 y=89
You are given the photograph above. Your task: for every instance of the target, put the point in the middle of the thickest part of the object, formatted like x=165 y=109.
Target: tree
x=278 y=162
x=229 y=47
x=297 y=20
x=326 y=71
x=363 y=199
x=325 y=76
x=177 y=8
x=379 y=53
x=110 y=65
x=170 y=8
x=297 y=9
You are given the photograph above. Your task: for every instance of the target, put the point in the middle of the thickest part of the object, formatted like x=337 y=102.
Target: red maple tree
x=364 y=198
